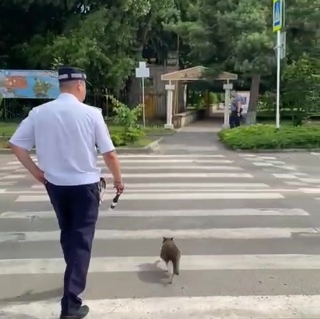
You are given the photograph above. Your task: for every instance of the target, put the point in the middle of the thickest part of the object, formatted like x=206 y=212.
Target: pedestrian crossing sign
x=277 y=15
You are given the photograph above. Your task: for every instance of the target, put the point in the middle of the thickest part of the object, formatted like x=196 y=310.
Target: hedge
x=262 y=136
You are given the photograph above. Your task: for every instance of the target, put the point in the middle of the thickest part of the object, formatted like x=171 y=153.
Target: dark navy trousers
x=77 y=210
x=234 y=119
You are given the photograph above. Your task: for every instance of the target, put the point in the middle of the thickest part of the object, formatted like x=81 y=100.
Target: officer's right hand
x=119 y=186
x=38 y=174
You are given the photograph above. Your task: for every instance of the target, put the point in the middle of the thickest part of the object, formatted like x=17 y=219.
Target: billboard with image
x=29 y=84
x=246 y=98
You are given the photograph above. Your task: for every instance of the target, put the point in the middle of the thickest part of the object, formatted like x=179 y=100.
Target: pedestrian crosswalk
x=247 y=250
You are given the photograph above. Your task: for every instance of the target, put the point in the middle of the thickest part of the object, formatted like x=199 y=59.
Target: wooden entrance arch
x=195 y=73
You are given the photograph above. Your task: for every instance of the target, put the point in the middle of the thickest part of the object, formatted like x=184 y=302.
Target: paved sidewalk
x=199 y=137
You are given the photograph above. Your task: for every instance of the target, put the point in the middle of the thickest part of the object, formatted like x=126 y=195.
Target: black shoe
x=81 y=313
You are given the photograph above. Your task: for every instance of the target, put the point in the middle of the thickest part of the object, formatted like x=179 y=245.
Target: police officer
x=65 y=132
x=236 y=109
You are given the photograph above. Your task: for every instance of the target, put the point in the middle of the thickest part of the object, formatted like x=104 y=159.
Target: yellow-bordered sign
x=277 y=15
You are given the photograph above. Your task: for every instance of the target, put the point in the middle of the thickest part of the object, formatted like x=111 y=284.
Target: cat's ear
x=164 y=238
x=171 y=238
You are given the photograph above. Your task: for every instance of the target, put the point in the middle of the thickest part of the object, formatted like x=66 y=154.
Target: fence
x=17 y=109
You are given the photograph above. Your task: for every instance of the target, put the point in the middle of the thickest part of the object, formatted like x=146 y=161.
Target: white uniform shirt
x=64 y=133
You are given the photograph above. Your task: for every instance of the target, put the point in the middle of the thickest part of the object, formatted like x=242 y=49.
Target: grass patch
x=4 y=142
x=266 y=136
x=120 y=137
x=143 y=142
x=273 y=122
x=135 y=137
x=132 y=137
x=148 y=130
x=8 y=128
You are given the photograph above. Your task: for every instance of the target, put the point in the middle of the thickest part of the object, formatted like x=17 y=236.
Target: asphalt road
x=250 y=240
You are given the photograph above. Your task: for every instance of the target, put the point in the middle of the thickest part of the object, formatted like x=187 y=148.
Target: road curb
x=149 y=149
x=288 y=150
x=276 y=150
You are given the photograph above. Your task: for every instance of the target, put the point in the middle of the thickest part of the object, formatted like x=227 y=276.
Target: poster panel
x=29 y=84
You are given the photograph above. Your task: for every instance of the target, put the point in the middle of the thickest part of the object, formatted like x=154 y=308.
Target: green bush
x=117 y=139
x=125 y=116
x=128 y=130
x=121 y=136
x=268 y=137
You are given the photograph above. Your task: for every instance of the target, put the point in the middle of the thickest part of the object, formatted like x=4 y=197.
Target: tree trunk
x=251 y=115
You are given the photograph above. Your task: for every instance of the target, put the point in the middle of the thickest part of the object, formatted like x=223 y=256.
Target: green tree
x=97 y=43
x=248 y=29
x=302 y=74
x=232 y=35
x=104 y=37
x=303 y=35
x=14 y=17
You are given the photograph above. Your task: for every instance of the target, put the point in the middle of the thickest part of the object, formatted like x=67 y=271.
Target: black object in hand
x=115 y=201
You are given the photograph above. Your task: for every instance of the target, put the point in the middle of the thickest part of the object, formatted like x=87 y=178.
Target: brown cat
x=170 y=254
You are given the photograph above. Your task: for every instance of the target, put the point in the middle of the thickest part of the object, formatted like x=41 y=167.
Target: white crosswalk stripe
x=239 y=242
x=242 y=307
